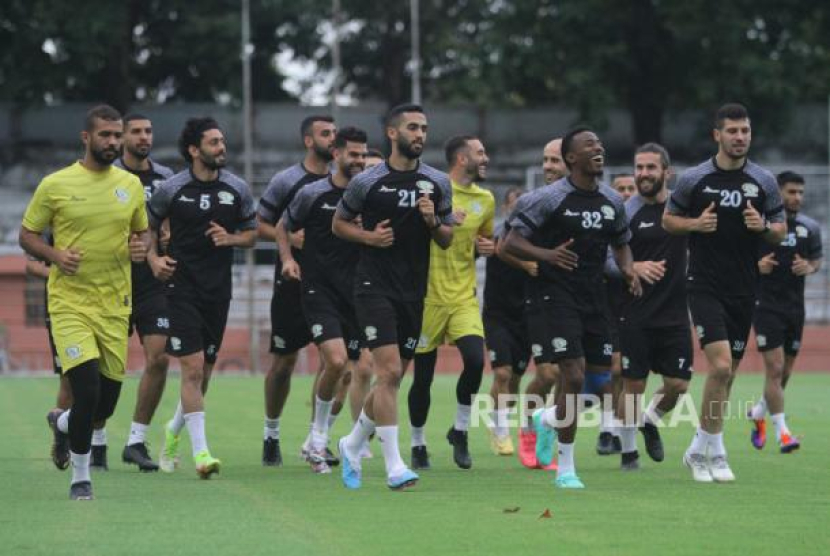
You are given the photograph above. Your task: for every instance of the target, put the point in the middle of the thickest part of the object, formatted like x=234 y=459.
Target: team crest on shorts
x=559 y=345
x=211 y=350
x=536 y=350
x=317 y=330
x=371 y=333
x=608 y=212
x=626 y=363
x=122 y=195
x=225 y=198
x=761 y=340
x=492 y=355
x=750 y=189
x=73 y=352
x=175 y=343
x=279 y=342
x=522 y=364
x=700 y=331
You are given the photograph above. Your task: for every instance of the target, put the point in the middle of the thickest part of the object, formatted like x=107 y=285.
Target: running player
x=779 y=315
x=654 y=328
x=289 y=330
x=567 y=228
x=728 y=205
x=451 y=310
x=327 y=279
x=404 y=205
x=98 y=222
x=211 y=211
x=149 y=317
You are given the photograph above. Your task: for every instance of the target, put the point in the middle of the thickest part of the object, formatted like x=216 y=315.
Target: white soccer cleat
x=720 y=471
x=699 y=466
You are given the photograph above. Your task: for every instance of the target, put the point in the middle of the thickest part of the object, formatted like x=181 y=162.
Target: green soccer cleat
x=206 y=464
x=568 y=480
x=545 y=439
x=169 y=458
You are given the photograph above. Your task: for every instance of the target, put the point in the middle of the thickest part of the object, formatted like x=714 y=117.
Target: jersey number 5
x=204 y=201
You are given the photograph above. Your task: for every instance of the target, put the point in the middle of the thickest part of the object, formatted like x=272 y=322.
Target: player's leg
x=277 y=388
x=334 y=356
x=635 y=365
x=435 y=322
x=60 y=442
x=500 y=443
x=360 y=383
x=99 y=446
x=769 y=337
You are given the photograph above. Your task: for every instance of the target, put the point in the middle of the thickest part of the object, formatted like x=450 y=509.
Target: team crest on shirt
x=608 y=212
x=122 y=195
x=425 y=186
x=476 y=208
x=750 y=189
x=317 y=330
x=225 y=198
x=801 y=231
x=73 y=352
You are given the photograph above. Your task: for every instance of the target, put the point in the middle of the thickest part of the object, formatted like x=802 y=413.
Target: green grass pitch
x=780 y=504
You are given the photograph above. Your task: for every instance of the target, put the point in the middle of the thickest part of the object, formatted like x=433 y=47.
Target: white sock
x=80 y=467
x=549 y=417
x=653 y=414
x=617 y=425
x=462 y=417
x=780 y=425
x=606 y=420
x=501 y=429
x=388 y=437
x=566 y=459
x=716 y=447
x=176 y=424
x=63 y=421
x=196 y=429
x=419 y=437
x=99 y=437
x=700 y=442
x=628 y=438
x=362 y=429
x=320 y=430
x=138 y=432
x=332 y=419
x=272 y=429
x=759 y=410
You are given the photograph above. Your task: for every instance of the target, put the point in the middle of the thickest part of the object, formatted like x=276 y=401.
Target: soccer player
x=149 y=317
x=98 y=222
x=451 y=310
x=728 y=206
x=404 y=205
x=327 y=279
x=779 y=315
x=211 y=211
x=625 y=185
x=567 y=228
x=289 y=330
x=655 y=332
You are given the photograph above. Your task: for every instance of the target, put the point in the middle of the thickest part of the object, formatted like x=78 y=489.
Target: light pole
x=247 y=49
x=415 y=33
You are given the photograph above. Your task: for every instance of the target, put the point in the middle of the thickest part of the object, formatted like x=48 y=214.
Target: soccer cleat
x=605 y=444
x=99 y=458
x=460 y=448
x=169 y=458
x=331 y=459
x=500 y=445
x=60 y=441
x=405 y=480
x=699 y=466
x=545 y=439
x=81 y=491
x=719 y=469
x=758 y=435
x=420 y=458
x=630 y=461
x=137 y=454
x=654 y=444
x=617 y=443
x=527 y=449
x=351 y=475
x=568 y=480
x=271 y=453
x=789 y=443
x=206 y=465
x=317 y=460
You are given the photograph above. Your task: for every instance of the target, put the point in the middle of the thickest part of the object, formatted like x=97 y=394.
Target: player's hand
x=68 y=261
x=382 y=236
x=801 y=267
x=767 y=264
x=290 y=269
x=753 y=219
x=163 y=267
x=459 y=216
x=531 y=267
x=485 y=247
x=707 y=222
x=650 y=271
x=138 y=251
x=164 y=235
x=563 y=257
x=634 y=285
x=297 y=239
x=219 y=235
x=427 y=208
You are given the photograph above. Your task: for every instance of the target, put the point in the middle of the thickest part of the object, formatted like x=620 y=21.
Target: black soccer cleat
x=630 y=461
x=99 y=458
x=271 y=453
x=420 y=458
x=617 y=444
x=460 y=450
x=137 y=454
x=331 y=459
x=81 y=491
x=605 y=444
x=654 y=444
x=60 y=441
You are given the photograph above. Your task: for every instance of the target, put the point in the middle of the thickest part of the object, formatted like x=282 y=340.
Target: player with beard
x=728 y=206
x=779 y=315
x=654 y=328
x=451 y=311
x=289 y=329
x=404 y=206
x=327 y=279
x=211 y=211
x=99 y=223
x=567 y=228
x=149 y=318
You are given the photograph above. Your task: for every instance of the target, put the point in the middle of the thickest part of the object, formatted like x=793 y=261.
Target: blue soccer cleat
x=545 y=439
x=568 y=480
x=405 y=480
x=351 y=475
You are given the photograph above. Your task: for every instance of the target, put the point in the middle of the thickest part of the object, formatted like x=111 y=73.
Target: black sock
x=85 y=381
x=472 y=353
x=419 y=396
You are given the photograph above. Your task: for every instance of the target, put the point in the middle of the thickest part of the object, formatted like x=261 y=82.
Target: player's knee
x=674 y=387
x=572 y=379
x=337 y=364
x=391 y=380
x=502 y=376
x=158 y=363
x=721 y=372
